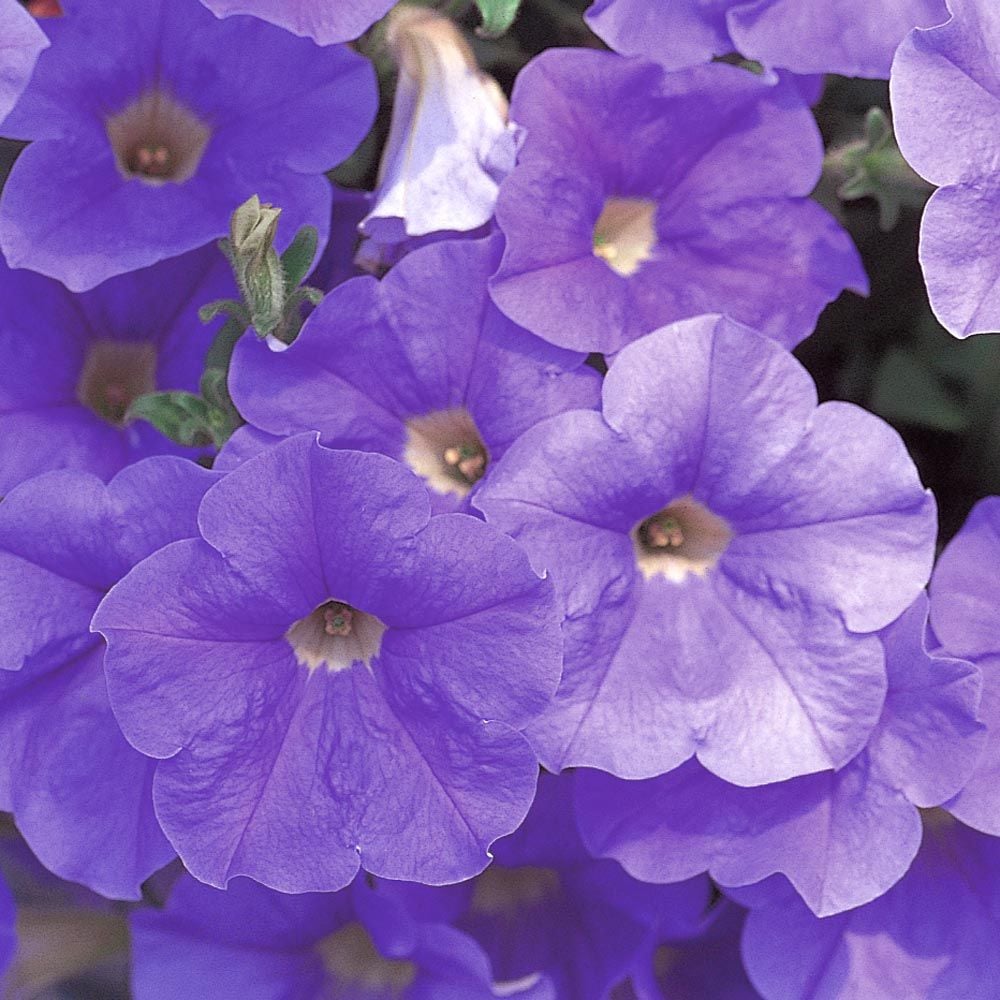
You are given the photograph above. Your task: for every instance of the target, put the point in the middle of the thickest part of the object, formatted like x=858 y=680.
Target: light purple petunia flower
x=546 y=906
x=76 y=362
x=79 y=792
x=641 y=197
x=449 y=143
x=842 y=838
x=933 y=935
x=850 y=37
x=325 y=21
x=710 y=535
x=363 y=943
x=154 y=120
x=946 y=109
x=965 y=596
x=333 y=678
x=420 y=366
x=21 y=42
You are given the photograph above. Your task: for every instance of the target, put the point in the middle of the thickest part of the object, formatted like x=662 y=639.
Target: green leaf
x=497 y=15
x=298 y=259
x=181 y=416
x=220 y=307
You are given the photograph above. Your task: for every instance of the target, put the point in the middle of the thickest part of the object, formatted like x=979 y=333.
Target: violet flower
x=841 y=837
x=946 y=110
x=711 y=534
x=331 y=678
x=154 y=120
x=321 y=20
x=933 y=935
x=849 y=37
x=79 y=792
x=546 y=906
x=642 y=197
x=362 y=943
x=81 y=360
x=965 y=595
x=449 y=144
x=21 y=42
x=420 y=366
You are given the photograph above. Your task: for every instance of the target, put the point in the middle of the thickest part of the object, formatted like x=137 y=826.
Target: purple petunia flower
x=708 y=967
x=545 y=905
x=933 y=935
x=79 y=792
x=154 y=120
x=333 y=678
x=21 y=41
x=322 y=20
x=946 y=109
x=8 y=936
x=710 y=535
x=965 y=595
x=842 y=838
x=363 y=943
x=419 y=366
x=850 y=37
x=81 y=360
x=641 y=197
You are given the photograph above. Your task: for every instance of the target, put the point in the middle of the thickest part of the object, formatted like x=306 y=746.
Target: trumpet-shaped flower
x=154 y=120
x=711 y=534
x=331 y=677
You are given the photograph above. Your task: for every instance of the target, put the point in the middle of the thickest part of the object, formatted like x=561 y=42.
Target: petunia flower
x=849 y=37
x=711 y=534
x=946 y=110
x=449 y=144
x=8 y=936
x=362 y=943
x=706 y=966
x=79 y=792
x=153 y=120
x=324 y=21
x=420 y=366
x=641 y=197
x=965 y=595
x=21 y=42
x=841 y=837
x=933 y=935
x=331 y=678
x=546 y=907
x=77 y=362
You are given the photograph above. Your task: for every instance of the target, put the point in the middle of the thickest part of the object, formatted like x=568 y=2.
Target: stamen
x=336 y=636
x=338 y=618
x=157 y=139
x=625 y=234
x=467 y=461
x=661 y=532
x=445 y=448
x=153 y=161
x=685 y=537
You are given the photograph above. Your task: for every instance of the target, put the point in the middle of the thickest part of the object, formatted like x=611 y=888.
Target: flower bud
x=449 y=144
x=256 y=264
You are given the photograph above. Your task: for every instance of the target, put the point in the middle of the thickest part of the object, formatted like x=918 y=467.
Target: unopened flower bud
x=449 y=144
x=256 y=263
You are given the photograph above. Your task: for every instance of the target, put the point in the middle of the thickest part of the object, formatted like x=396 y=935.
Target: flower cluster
x=512 y=620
